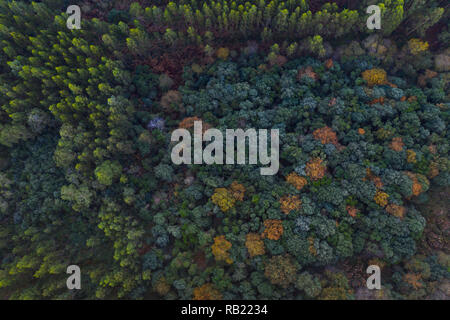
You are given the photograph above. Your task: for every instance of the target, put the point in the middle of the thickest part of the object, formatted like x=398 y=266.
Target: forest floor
x=436 y=236
x=434 y=241
x=436 y=212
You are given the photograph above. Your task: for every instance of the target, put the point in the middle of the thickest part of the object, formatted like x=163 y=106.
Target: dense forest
x=86 y=176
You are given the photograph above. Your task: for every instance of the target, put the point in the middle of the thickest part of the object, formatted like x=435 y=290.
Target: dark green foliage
x=86 y=178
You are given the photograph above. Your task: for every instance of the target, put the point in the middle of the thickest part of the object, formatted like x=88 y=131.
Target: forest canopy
x=86 y=176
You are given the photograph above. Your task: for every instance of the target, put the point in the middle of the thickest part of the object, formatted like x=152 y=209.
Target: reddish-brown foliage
x=207 y=292
x=325 y=135
x=315 y=169
x=273 y=229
